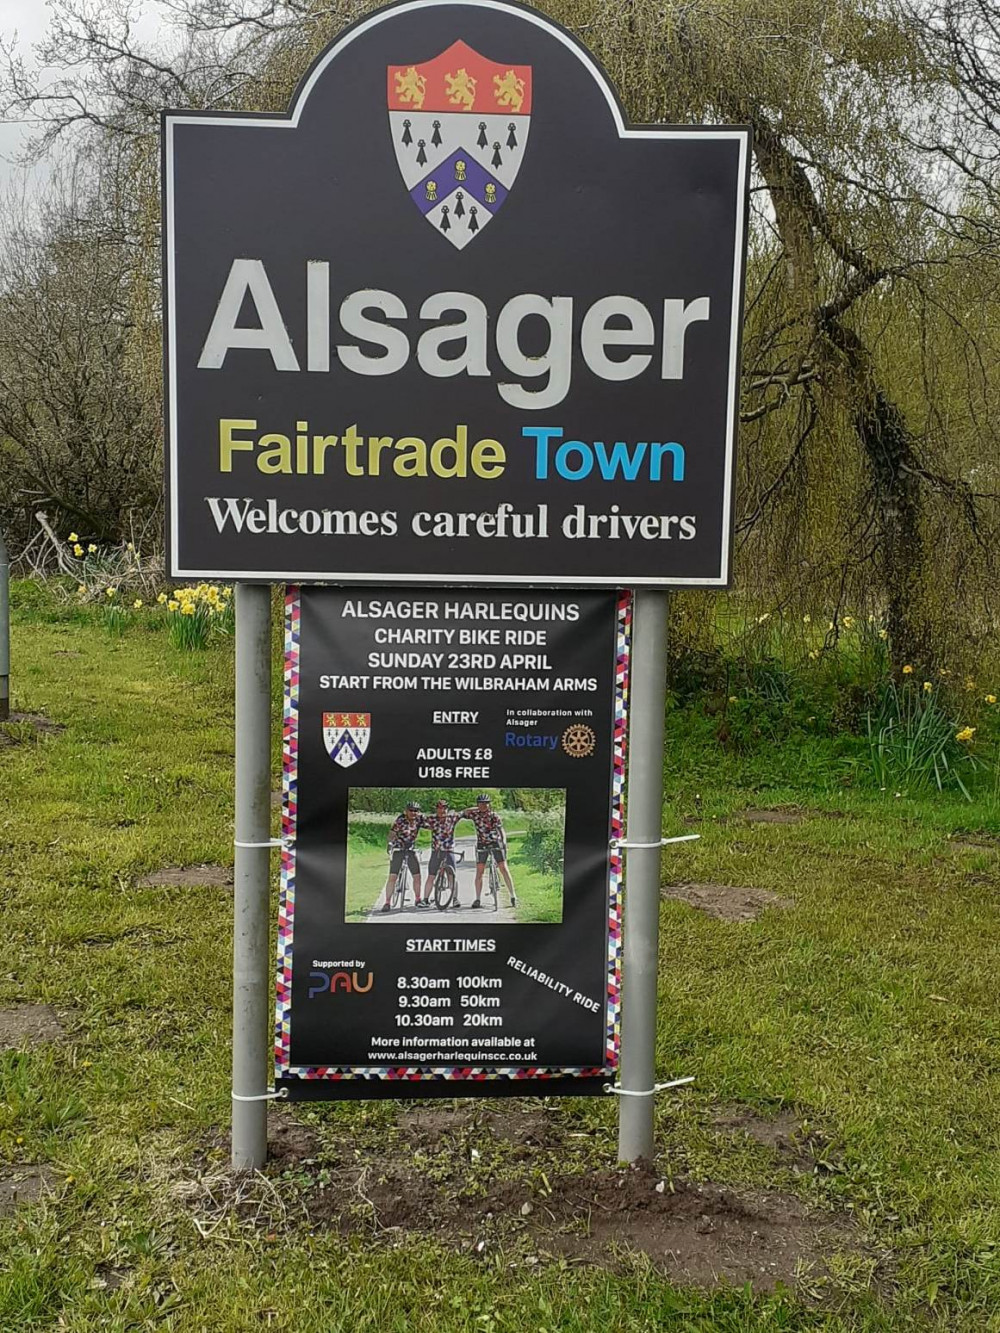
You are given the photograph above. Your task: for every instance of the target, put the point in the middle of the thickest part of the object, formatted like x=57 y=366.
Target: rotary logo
x=578 y=741
x=459 y=126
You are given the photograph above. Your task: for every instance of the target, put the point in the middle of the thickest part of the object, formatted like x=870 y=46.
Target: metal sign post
x=251 y=958
x=4 y=632
x=642 y=874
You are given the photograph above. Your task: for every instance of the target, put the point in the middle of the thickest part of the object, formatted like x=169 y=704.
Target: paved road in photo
x=463 y=915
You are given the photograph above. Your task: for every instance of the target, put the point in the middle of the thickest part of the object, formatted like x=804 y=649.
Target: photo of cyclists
x=455 y=855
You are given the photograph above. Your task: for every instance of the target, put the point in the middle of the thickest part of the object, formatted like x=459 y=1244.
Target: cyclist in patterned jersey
x=442 y=829
x=402 y=841
x=491 y=840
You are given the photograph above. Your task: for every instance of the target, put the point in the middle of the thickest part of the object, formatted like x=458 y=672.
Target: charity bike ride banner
x=452 y=319
x=450 y=905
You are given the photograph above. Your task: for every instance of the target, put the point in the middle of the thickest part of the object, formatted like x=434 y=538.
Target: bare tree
x=79 y=428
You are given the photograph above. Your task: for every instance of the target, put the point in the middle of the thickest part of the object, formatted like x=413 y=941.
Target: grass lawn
x=539 y=893
x=869 y=1008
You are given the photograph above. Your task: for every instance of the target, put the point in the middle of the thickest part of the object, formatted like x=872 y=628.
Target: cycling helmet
x=413 y=806
x=484 y=798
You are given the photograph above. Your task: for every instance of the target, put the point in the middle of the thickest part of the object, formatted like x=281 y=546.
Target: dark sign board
x=452 y=319
x=450 y=907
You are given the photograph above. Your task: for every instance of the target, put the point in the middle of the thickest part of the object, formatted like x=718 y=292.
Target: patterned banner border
x=284 y=1069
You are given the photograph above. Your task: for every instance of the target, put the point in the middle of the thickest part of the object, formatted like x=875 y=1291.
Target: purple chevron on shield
x=459 y=126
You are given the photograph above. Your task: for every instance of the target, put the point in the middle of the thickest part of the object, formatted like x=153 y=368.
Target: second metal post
x=647 y=700
x=251 y=959
x=4 y=632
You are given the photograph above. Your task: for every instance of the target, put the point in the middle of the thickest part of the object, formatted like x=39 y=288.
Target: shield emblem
x=459 y=126
x=346 y=736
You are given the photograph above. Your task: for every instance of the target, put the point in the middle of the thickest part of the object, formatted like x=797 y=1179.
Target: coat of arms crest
x=346 y=736
x=459 y=126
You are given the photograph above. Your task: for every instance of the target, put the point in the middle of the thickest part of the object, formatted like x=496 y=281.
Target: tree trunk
x=886 y=443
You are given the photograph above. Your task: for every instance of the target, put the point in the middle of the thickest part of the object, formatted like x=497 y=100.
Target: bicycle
x=402 y=884
x=493 y=882
x=445 y=886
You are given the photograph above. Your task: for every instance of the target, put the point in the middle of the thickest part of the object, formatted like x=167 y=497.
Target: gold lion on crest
x=411 y=87
x=509 y=90
x=461 y=88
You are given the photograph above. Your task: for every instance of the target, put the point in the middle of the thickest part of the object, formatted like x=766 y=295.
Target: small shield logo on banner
x=459 y=126
x=346 y=736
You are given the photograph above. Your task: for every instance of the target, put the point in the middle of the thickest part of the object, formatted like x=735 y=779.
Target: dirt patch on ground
x=21 y=727
x=726 y=902
x=186 y=877
x=29 y=1025
x=705 y=1235
x=702 y=1234
x=975 y=842
x=512 y=1125
x=23 y=1184
x=799 y=1146
x=782 y=815
x=518 y=1185
x=289 y=1141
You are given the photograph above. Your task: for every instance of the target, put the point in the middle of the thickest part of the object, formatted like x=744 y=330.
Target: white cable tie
x=271 y=842
x=618 y=1091
x=272 y=1095
x=621 y=843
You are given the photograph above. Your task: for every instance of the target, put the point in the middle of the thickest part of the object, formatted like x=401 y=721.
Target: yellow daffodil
x=227 y=592
x=848 y=622
x=966 y=734
x=187 y=610
x=927 y=687
x=91 y=549
x=78 y=550
x=82 y=590
x=173 y=604
x=813 y=655
x=883 y=633
x=970 y=684
x=74 y=537
x=161 y=598
x=990 y=699
x=907 y=670
x=130 y=548
x=136 y=604
x=110 y=592
x=807 y=620
x=733 y=699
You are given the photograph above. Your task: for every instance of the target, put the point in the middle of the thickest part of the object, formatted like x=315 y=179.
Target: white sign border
x=741 y=134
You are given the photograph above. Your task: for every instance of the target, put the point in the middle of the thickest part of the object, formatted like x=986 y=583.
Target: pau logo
x=459 y=126
x=350 y=983
x=346 y=736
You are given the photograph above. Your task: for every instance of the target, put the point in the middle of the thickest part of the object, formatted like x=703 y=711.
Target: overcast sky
x=30 y=20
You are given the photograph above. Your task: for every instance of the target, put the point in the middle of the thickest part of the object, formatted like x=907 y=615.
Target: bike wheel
x=399 y=894
x=444 y=888
x=494 y=885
